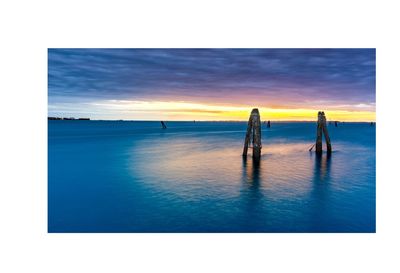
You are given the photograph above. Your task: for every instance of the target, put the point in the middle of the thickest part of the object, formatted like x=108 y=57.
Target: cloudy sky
x=211 y=84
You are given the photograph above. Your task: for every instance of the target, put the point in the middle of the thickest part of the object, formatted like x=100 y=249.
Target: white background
x=28 y=28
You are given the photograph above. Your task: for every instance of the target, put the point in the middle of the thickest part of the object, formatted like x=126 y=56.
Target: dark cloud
x=221 y=75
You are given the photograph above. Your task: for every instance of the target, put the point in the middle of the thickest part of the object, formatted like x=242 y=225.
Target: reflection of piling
x=253 y=134
x=322 y=129
x=163 y=125
x=269 y=124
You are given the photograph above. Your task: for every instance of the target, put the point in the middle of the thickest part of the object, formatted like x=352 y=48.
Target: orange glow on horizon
x=172 y=110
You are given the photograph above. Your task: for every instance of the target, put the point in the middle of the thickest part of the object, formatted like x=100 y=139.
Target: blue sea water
x=133 y=176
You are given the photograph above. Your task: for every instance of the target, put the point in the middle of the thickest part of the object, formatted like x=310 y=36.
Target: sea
x=134 y=176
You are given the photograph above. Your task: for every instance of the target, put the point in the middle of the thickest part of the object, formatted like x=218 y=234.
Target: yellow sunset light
x=180 y=110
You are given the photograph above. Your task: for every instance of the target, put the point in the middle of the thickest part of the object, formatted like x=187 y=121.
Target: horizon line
x=193 y=121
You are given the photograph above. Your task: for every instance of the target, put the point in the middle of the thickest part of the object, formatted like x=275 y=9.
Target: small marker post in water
x=163 y=125
x=253 y=132
x=321 y=128
x=269 y=124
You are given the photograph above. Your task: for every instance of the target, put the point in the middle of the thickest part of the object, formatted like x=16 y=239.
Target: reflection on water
x=319 y=195
x=322 y=168
x=251 y=172
x=289 y=189
x=251 y=194
x=194 y=179
x=251 y=179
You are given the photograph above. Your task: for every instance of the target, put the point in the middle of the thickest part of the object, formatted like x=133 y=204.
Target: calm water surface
x=120 y=176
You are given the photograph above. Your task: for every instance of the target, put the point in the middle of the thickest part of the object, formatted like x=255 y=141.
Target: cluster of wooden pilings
x=253 y=135
x=322 y=129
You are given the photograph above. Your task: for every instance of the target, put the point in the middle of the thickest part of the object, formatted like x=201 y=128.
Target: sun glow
x=180 y=110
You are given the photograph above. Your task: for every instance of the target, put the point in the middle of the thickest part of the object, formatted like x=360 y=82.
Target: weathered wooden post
x=253 y=134
x=163 y=125
x=248 y=133
x=318 y=143
x=321 y=128
x=326 y=134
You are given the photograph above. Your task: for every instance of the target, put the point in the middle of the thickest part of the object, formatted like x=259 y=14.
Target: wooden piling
x=269 y=124
x=253 y=134
x=326 y=134
x=247 y=138
x=322 y=129
x=163 y=125
x=318 y=143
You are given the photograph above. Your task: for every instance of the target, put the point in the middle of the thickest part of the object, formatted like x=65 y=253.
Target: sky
x=212 y=84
